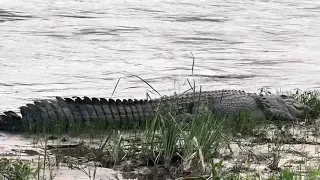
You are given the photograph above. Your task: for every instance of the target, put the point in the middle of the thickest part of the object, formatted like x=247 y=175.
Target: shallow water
x=82 y=47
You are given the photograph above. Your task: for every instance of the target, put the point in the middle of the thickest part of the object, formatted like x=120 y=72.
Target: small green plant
x=16 y=169
x=205 y=135
x=170 y=135
x=312 y=100
x=216 y=170
x=314 y=174
x=116 y=148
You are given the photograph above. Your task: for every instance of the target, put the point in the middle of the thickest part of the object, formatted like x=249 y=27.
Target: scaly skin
x=86 y=111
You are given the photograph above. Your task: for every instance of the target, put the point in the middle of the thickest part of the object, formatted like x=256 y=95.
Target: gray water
x=82 y=47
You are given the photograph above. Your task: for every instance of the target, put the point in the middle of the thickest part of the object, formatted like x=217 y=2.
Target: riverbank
x=167 y=149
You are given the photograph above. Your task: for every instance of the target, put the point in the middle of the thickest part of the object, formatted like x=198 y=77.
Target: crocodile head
x=283 y=107
x=296 y=108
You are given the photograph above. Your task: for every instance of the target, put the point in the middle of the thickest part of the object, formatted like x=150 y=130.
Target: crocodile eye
x=284 y=96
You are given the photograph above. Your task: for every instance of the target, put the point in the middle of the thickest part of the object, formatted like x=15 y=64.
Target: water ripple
x=7 y=15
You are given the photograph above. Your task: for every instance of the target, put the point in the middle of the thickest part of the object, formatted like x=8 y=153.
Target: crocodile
x=88 y=111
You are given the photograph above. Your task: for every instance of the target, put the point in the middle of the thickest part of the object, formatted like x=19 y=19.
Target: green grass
x=312 y=100
x=17 y=169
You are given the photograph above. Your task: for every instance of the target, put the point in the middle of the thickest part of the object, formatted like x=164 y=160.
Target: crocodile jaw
x=296 y=112
x=295 y=108
x=300 y=106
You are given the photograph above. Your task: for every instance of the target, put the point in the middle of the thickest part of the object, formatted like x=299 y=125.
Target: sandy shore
x=27 y=149
x=264 y=154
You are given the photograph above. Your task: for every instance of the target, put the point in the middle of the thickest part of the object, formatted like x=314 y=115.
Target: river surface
x=82 y=47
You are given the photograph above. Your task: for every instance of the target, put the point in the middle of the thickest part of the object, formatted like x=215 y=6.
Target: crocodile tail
x=45 y=115
x=10 y=121
x=66 y=113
